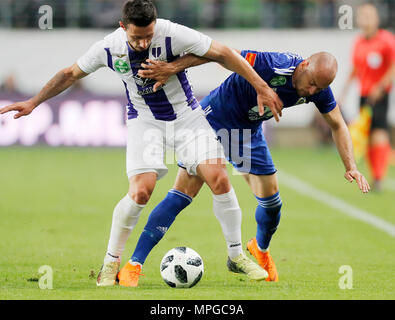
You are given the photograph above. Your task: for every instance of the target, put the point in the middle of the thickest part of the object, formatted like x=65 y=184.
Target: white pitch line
x=310 y=191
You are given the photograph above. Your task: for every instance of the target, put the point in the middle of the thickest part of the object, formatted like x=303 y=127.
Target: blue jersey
x=234 y=103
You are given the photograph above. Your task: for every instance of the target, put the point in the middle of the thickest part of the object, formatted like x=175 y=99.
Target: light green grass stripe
x=390 y=183
x=308 y=190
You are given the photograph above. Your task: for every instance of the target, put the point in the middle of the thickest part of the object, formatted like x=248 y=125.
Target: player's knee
x=267 y=188
x=220 y=183
x=273 y=189
x=141 y=195
x=190 y=191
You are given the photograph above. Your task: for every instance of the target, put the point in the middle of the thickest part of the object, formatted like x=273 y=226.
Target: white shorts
x=191 y=138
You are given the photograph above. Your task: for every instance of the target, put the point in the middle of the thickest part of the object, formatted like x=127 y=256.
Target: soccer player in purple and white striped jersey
x=154 y=112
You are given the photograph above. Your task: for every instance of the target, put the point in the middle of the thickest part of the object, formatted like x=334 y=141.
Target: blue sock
x=159 y=222
x=267 y=216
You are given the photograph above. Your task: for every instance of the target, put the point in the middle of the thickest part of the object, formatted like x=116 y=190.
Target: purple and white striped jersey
x=169 y=42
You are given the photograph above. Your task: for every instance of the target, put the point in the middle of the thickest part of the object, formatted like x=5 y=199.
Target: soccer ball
x=181 y=267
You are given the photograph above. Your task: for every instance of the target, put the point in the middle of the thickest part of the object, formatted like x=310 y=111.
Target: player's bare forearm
x=161 y=71
x=187 y=61
x=343 y=142
x=233 y=61
x=60 y=82
x=342 y=138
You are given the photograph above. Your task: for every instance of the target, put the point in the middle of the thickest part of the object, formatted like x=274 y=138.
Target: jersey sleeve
x=259 y=62
x=324 y=100
x=187 y=40
x=94 y=58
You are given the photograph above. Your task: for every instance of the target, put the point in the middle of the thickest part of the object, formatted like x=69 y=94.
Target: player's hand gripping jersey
x=170 y=40
x=233 y=104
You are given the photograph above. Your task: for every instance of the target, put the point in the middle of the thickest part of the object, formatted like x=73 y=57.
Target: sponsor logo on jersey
x=121 y=66
x=253 y=114
x=119 y=55
x=251 y=57
x=278 y=81
x=301 y=101
x=143 y=82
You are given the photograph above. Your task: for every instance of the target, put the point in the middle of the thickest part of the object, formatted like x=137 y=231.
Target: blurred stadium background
x=56 y=203
x=32 y=56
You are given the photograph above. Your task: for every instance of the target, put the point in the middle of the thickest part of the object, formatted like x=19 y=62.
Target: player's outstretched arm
x=233 y=61
x=161 y=71
x=60 y=82
x=343 y=142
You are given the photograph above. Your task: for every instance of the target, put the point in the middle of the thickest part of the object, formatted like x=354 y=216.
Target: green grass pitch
x=56 y=209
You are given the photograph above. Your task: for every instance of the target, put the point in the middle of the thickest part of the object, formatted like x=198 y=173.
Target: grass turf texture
x=56 y=209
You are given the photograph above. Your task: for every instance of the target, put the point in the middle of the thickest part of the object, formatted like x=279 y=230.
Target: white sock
x=227 y=210
x=125 y=217
x=135 y=263
x=262 y=250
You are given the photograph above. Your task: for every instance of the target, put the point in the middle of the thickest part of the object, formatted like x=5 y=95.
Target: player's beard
x=300 y=92
x=299 y=89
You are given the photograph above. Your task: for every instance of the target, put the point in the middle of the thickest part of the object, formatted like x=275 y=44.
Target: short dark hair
x=140 y=13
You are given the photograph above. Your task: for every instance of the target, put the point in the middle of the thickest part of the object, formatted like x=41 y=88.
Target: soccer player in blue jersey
x=232 y=106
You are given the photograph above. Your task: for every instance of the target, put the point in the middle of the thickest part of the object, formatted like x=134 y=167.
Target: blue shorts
x=246 y=149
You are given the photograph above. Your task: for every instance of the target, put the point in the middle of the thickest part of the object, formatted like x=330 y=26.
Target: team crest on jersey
x=301 y=101
x=278 y=81
x=156 y=52
x=121 y=66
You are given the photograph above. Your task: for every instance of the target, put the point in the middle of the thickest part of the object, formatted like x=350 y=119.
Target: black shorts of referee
x=380 y=112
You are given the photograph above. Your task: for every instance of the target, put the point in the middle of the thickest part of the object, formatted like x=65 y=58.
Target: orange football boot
x=128 y=276
x=264 y=259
